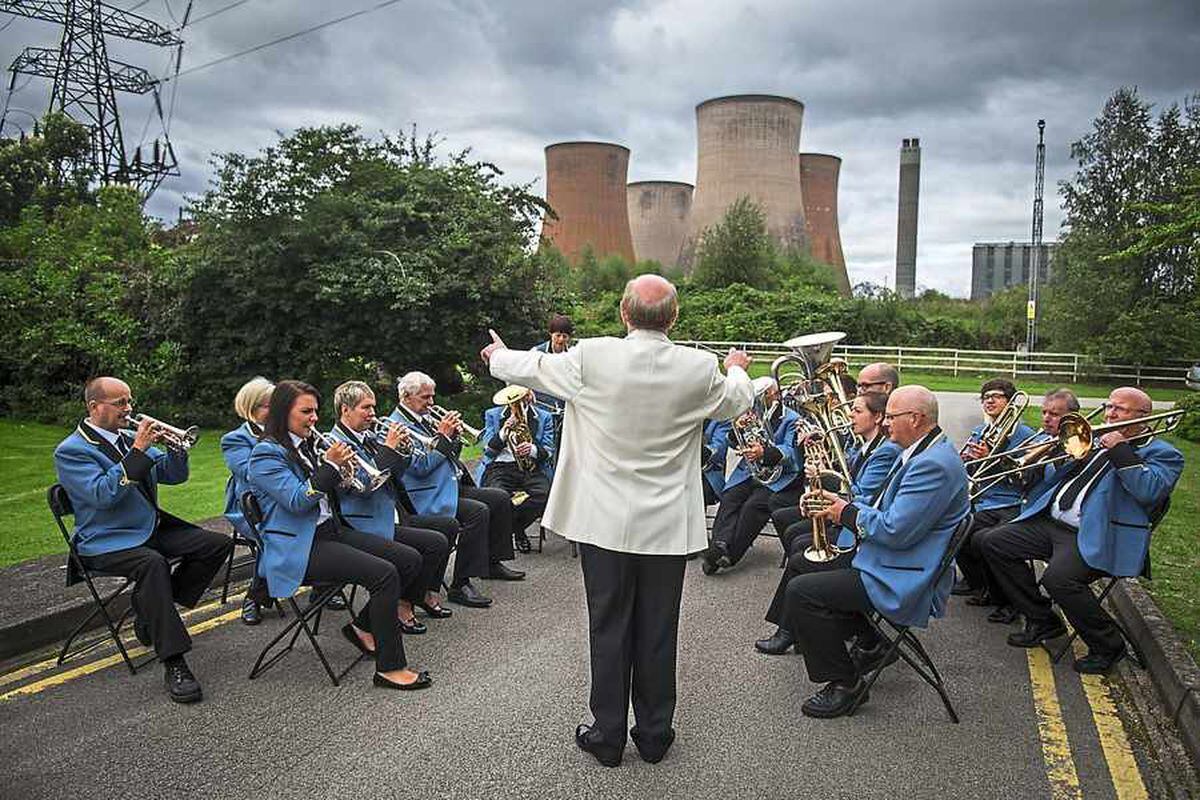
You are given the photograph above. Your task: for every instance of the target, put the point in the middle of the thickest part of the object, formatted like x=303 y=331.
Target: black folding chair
x=1135 y=653
x=301 y=617
x=77 y=571
x=238 y=541
x=904 y=644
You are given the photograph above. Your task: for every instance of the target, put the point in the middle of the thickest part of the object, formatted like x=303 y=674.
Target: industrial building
x=995 y=266
x=819 y=190
x=659 y=214
x=586 y=188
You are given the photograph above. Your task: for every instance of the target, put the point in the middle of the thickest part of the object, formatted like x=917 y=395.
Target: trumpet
x=375 y=477
x=177 y=440
x=417 y=444
x=438 y=413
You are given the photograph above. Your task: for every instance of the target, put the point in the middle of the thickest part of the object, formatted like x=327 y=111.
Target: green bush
x=1189 y=426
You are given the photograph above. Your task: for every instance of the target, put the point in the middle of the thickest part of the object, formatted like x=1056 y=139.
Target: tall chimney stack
x=906 y=225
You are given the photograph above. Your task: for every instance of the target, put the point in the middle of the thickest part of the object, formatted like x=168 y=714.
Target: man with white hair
x=628 y=491
x=902 y=536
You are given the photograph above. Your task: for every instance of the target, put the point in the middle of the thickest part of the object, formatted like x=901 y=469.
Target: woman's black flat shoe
x=352 y=637
x=435 y=612
x=423 y=681
x=414 y=628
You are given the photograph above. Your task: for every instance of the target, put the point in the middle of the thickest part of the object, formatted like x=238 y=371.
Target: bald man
x=628 y=492
x=902 y=535
x=879 y=378
x=1087 y=519
x=112 y=478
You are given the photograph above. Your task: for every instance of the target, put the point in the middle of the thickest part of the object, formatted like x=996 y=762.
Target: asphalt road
x=511 y=684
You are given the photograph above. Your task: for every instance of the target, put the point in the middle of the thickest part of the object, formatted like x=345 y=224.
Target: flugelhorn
x=178 y=440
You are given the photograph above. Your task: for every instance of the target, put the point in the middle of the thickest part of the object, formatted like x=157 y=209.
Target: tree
x=737 y=249
x=50 y=169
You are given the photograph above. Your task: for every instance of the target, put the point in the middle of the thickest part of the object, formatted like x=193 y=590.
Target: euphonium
x=513 y=397
x=178 y=440
x=748 y=430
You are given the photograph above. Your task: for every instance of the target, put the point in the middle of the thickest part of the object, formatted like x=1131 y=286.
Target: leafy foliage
x=49 y=170
x=1189 y=426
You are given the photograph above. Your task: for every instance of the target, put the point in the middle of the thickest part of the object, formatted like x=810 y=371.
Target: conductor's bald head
x=649 y=302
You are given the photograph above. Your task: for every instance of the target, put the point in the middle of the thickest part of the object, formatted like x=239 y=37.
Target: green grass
x=1175 y=553
x=28 y=457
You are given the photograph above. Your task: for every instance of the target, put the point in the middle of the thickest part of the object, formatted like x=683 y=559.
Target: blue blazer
x=291 y=505
x=1114 y=526
x=235 y=449
x=716 y=438
x=543 y=437
x=784 y=438
x=370 y=512
x=1005 y=493
x=430 y=479
x=904 y=539
x=111 y=512
x=867 y=477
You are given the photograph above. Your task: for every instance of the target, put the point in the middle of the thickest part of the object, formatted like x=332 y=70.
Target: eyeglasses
x=993 y=396
x=124 y=402
x=890 y=417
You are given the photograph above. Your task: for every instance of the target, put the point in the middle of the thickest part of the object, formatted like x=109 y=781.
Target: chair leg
x=1066 y=648
x=294 y=628
x=229 y=570
x=114 y=629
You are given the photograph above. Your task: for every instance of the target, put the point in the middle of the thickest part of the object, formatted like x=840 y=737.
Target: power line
x=212 y=14
x=286 y=38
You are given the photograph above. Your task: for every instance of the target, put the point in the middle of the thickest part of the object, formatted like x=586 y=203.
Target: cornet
x=416 y=445
x=349 y=470
x=438 y=413
x=177 y=440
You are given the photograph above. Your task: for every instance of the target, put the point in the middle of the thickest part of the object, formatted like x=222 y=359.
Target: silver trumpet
x=472 y=434
x=177 y=440
x=375 y=477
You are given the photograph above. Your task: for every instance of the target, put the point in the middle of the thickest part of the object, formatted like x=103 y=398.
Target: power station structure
x=906 y=223
x=819 y=190
x=659 y=214
x=586 y=189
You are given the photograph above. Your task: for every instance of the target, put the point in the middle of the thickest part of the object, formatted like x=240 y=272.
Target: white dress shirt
x=326 y=509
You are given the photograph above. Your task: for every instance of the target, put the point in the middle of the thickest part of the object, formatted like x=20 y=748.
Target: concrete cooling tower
x=819 y=183
x=746 y=146
x=659 y=213
x=585 y=185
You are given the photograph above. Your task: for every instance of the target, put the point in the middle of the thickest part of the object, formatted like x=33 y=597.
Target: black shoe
x=251 y=613
x=468 y=595
x=779 y=643
x=708 y=565
x=423 y=681
x=1004 y=615
x=1035 y=633
x=962 y=588
x=590 y=741
x=182 y=686
x=983 y=598
x=502 y=572
x=833 y=700
x=414 y=628
x=352 y=637
x=868 y=660
x=1098 y=663
x=435 y=612
x=724 y=561
x=652 y=751
x=522 y=543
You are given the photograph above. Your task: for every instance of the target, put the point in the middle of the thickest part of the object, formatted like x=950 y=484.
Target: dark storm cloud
x=506 y=79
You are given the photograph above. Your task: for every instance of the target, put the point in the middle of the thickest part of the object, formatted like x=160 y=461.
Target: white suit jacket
x=628 y=476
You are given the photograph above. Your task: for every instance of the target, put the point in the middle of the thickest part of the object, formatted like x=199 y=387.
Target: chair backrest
x=953 y=546
x=252 y=511
x=60 y=506
x=1156 y=516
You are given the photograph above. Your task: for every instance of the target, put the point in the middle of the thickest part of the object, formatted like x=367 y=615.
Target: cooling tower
x=819 y=184
x=746 y=146
x=906 y=224
x=585 y=185
x=659 y=213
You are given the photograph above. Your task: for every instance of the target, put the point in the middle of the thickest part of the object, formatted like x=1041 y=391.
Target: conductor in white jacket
x=628 y=491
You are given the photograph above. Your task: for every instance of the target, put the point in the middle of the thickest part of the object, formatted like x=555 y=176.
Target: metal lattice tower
x=86 y=81
x=1035 y=257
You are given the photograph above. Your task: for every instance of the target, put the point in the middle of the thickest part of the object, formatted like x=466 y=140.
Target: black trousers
x=824 y=609
x=433 y=548
x=156 y=589
x=633 y=625
x=448 y=527
x=486 y=519
x=797 y=565
x=509 y=477
x=970 y=560
x=381 y=566
x=740 y=518
x=1067 y=577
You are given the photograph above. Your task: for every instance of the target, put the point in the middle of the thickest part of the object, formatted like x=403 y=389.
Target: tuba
x=513 y=397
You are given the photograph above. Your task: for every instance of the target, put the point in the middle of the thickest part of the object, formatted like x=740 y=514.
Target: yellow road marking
x=1122 y=766
x=1052 y=730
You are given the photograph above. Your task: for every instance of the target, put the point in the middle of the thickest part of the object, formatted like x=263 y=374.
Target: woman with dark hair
x=305 y=543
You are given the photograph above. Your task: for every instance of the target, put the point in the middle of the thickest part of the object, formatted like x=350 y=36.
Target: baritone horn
x=178 y=440
x=513 y=398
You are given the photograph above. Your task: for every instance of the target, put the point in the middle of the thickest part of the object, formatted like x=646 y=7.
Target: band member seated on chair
x=251 y=404
x=713 y=452
x=997 y=505
x=306 y=542
x=1089 y=519
x=869 y=465
x=376 y=511
x=112 y=478
x=561 y=331
x=903 y=536
x=438 y=484
x=878 y=378
x=518 y=452
x=745 y=503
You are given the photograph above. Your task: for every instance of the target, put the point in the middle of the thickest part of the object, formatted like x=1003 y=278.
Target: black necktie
x=310 y=455
x=122 y=446
x=1095 y=466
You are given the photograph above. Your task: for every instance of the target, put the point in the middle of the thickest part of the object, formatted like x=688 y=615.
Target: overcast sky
x=507 y=78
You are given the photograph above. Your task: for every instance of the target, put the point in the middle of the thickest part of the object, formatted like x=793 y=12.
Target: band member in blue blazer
x=902 y=535
x=377 y=511
x=251 y=404
x=305 y=541
x=439 y=485
x=112 y=479
x=712 y=459
x=498 y=468
x=745 y=508
x=869 y=465
x=997 y=505
x=1094 y=519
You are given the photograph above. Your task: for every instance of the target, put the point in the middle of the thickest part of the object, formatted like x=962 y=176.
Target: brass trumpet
x=472 y=434
x=177 y=440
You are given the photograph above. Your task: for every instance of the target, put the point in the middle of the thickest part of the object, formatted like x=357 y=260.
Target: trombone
x=439 y=413
x=177 y=440
x=997 y=432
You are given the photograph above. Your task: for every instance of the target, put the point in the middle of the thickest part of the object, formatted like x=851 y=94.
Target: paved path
x=511 y=684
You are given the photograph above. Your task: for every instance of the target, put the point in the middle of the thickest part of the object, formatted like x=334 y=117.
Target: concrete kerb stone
x=1172 y=669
